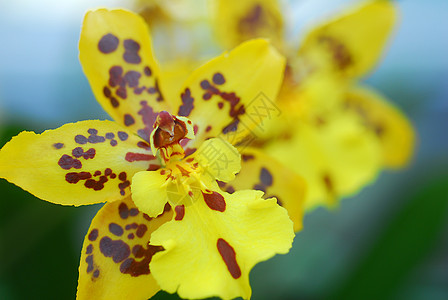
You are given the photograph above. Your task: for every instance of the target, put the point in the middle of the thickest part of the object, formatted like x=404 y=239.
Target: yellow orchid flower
x=338 y=135
x=166 y=224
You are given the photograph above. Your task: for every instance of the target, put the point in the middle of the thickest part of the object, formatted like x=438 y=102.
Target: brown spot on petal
x=93 y=235
x=141 y=230
x=136 y=268
x=131 y=157
x=108 y=43
x=118 y=250
x=187 y=103
x=58 y=145
x=180 y=212
x=74 y=177
x=123 y=211
x=131 y=52
x=215 y=201
x=247 y=157
x=266 y=177
x=116 y=229
x=229 y=256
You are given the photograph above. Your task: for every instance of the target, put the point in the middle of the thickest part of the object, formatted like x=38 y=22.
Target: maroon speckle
x=132 y=78
x=89 y=249
x=180 y=212
x=89 y=261
x=79 y=152
x=122 y=176
x=141 y=230
x=122 y=186
x=190 y=151
x=110 y=135
x=93 y=235
x=114 y=102
x=148 y=118
x=207 y=96
x=123 y=136
x=205 y=84
x=115 y=76
x=131 y=236
x=116 y=229
x=106 y=91
x=113 y=143
x=80 y=139
x=96 y=185
x=74 y=177
x=67 y=162
x=260 y=187
x=58 y=145
x=147 y=71
x=215 y=201
x=152 y=90
x=218 y=78
x=131 y=52
x=187 y=103
x=144 y=145
x=136 y=268
x=131 y=157
x=232 y=127
x=123 y=210
x=108 y=43
x=94 y=138
x=230 y=189
x=128 y=120
x=131 y=226
x=121 y=92
x=229 y=256
x=96 y=273
x=118 y=250
x=265 y=177
x=133 y=212
x=97 y=173
x=247 y=157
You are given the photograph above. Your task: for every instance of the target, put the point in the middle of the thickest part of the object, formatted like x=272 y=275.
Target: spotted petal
x=212 y=244
x=336 y=155
x=115 y=256
x=260 y=171
x=117 y=58
x=351 y=44
x=220 y=97
x=79 y=163
x=238 y=21
x=393 y=130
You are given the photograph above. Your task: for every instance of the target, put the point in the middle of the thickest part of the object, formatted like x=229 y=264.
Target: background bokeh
x=388 y=242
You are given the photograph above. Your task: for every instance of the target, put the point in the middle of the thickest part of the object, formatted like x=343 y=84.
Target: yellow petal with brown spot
x=115 y=256
x=77 y=164
x=351 y=44
x=260 y=171
x=238 y=21
x=212 y=244
x=117 y=58
x=223 y=96
x=393 y=130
